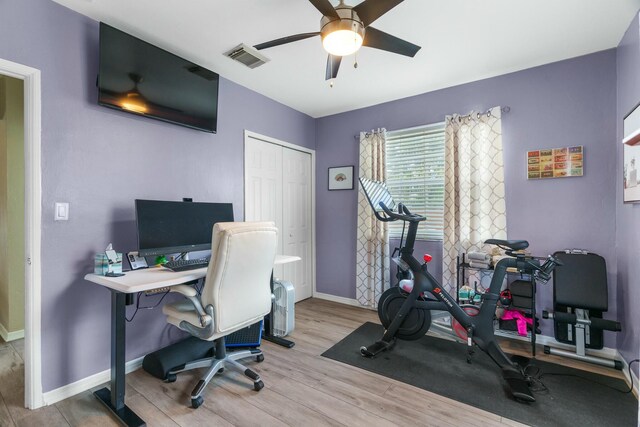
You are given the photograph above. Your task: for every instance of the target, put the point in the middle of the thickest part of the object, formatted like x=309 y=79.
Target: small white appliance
x=283 y=308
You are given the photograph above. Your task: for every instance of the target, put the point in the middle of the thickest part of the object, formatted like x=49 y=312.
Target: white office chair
x=236 y=294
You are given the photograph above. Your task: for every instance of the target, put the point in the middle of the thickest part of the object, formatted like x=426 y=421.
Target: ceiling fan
x=344 y=29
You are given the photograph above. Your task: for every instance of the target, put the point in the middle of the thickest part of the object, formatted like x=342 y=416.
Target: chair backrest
x=238 y=278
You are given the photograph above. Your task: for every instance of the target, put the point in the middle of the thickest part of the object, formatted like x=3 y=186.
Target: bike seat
x=514 y=245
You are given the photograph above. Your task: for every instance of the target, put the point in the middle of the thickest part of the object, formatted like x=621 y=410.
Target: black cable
x=136 y=310
x=164 y=294
x=536 y=383
x=536 y=378
x=199 y=286
x=631 y=376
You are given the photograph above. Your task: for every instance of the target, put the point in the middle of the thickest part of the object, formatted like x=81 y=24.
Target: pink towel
x=521 y=321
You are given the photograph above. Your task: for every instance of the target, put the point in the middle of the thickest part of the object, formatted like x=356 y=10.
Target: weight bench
x=580 y=296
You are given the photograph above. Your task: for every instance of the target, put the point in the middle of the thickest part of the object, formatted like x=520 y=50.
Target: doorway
x=11 y=209
x=280 y=187
x=29 y=258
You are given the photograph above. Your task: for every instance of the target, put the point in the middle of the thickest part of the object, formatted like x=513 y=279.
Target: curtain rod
x=504 y=109
x=371 y=132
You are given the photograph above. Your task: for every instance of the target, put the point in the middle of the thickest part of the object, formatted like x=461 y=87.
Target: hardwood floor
x=301 y=388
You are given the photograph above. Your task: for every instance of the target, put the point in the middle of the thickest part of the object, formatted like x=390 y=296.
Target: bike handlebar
x=543 y=272
x=403 y=214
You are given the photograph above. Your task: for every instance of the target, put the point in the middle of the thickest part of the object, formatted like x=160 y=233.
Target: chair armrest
x=207 y=329
x=190 y=293
x=186 y=290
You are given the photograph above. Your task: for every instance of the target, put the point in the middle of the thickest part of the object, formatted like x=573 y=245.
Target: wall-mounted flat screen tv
x=140 y=78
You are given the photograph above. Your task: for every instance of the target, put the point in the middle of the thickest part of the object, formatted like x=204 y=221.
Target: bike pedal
x=518 y=385
x=376 y=348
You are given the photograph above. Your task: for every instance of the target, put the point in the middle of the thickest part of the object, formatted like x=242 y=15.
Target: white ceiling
x=462 y=41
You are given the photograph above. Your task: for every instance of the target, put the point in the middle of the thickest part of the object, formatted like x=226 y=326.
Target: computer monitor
x=166 y=227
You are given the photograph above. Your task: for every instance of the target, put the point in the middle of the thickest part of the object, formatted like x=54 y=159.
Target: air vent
x=247 y=55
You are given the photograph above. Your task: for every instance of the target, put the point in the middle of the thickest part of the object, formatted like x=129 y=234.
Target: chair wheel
x=259 y=385
x=221 y=370
x=195 y=403
x=260 y=358
x=171 y=378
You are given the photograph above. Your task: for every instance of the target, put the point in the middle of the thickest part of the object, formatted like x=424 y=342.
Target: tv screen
x=166 y=227
x=140 y=78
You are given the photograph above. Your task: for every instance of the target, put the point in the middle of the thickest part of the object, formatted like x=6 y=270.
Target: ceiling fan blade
x=325 y=8
x=370 y=10
x=285 y=40
x=333 y=65
x=381 y=40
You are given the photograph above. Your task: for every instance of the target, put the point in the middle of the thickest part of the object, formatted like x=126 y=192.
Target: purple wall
x=100 y=160
x=556 y=105
x=565 y=103
x=627 y=215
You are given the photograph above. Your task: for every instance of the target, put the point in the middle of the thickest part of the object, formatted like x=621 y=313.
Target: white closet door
x=278 y=187
x=263 y=186
x=296 y=231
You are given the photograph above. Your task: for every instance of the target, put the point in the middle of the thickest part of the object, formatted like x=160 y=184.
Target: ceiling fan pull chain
x=355 y=55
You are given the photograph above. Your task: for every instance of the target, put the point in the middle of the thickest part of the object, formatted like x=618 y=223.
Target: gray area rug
x=568 y=397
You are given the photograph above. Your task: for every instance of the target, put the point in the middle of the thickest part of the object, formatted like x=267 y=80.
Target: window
x=415 y=177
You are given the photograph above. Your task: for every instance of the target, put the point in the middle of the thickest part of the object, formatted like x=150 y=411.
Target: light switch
x=62 y=211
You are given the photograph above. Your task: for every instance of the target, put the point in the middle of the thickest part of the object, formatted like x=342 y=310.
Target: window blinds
x=415 y=176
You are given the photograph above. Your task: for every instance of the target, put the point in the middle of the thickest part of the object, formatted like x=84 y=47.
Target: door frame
x=248 y=134
x=33 y=228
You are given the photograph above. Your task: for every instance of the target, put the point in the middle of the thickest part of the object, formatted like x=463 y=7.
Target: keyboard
x=186 y=264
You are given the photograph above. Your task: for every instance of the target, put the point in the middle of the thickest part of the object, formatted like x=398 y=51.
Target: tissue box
x=101 y=264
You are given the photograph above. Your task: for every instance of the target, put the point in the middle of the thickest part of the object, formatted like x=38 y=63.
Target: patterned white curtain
x=372 y=245
x=474 y=204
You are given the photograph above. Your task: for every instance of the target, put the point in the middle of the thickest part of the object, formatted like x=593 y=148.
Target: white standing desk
x=122 y=290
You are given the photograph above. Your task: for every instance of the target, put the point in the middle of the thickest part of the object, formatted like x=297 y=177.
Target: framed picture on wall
x=630 y=165
x=631 y=157
x=341 y=178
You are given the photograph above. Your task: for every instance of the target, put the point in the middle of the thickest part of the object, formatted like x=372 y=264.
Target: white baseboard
x=10 y=336
x=341 y=300
x=87 y=383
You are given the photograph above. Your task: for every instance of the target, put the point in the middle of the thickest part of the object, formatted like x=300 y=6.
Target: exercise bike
x=407 y=315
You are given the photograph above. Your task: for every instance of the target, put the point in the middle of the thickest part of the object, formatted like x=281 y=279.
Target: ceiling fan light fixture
x=342 y=37
x=342 y=42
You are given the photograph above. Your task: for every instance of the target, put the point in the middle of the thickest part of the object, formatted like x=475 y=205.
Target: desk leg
x=114 y=398
x=268 y=326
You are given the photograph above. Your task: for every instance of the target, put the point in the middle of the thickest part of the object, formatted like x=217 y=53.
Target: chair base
x=217 y=364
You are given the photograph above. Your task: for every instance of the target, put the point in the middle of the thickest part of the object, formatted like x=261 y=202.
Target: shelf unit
x=461 y=273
